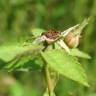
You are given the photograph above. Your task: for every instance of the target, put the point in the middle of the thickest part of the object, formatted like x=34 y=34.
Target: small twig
x=47 y=76
x=48 y=80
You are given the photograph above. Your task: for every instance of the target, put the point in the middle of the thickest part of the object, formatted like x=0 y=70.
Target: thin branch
x=47 y=76
x=48 y=80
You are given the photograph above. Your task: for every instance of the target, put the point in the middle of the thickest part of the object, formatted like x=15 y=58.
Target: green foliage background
x=19 y=17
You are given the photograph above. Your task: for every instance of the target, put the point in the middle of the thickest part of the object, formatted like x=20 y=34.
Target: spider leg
x=64 y=33
x=63 y=45
x=39 y=40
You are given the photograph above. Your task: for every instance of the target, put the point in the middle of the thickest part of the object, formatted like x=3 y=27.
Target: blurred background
x=19 y=17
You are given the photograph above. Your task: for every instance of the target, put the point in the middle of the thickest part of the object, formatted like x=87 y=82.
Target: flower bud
x=71 y=40
x=73 y=37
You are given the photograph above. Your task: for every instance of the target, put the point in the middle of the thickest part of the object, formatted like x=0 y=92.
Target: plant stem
x=48 y=80
x=47 y=73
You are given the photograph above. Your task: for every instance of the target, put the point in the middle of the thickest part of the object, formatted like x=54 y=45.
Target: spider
x=66 y=39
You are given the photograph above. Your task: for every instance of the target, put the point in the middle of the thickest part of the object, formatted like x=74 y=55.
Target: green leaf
x=78 y=53
x=26 y=63
x=65 y=64
x=9 y=52
x=37 y=31
x=16 y=89
x=47 y=94
x=18 y=63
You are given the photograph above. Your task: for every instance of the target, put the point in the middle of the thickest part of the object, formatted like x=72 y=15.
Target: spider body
x=51 y=34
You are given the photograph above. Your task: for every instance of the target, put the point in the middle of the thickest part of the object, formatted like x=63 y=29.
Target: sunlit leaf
x=78 y=53
x=9 y=52
x=65 y=65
